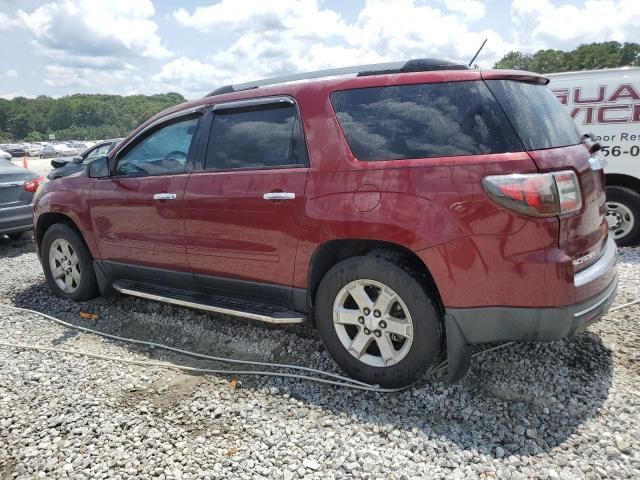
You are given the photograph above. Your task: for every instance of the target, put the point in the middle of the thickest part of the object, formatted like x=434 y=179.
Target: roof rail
x=415 y=65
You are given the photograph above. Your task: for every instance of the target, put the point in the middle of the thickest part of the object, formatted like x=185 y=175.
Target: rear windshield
x=537 y=115
x=425 y=120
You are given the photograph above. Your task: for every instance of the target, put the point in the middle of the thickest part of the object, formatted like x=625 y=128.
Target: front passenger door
x=137 y=211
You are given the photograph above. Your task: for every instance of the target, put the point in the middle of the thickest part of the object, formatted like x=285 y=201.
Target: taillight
x=33 y=185
x=536 y=194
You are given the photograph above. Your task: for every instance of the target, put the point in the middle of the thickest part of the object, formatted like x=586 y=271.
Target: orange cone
x=25 y=164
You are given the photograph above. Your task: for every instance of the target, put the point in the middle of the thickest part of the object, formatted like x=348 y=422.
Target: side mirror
x=77 y=160
x=99 y=168
x=59 y=162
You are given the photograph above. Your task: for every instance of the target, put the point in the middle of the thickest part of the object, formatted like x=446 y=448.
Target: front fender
x=66 y=199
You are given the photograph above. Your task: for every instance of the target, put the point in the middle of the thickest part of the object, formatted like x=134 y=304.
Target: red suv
x=408 y=211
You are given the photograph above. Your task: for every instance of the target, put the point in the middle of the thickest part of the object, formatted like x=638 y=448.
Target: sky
x=61 y=47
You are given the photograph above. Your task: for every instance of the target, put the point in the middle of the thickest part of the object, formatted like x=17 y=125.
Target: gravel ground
x=569 y=409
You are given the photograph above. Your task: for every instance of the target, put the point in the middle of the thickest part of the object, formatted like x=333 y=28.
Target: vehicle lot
x=41 y=166
x=570 y=409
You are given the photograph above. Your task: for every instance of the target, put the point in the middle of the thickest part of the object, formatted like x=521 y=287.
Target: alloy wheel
x=64 y=265
x=373 y=323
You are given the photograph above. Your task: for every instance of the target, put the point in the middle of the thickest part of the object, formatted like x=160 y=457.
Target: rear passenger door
x=244 y=209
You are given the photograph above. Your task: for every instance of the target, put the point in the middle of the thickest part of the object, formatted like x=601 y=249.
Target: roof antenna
x=478 y=52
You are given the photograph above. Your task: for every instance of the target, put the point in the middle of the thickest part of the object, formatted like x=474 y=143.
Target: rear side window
x=256 y=137
x=426 y=120
x=540 y=120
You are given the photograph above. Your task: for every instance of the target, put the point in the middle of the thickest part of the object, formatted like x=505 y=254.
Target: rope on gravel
x=151 y=363
x=186 y=352
x=343 y=381
x=624 y=305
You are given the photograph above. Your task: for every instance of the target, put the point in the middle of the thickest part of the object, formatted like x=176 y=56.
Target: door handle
x=164 y=196
x=279 y=196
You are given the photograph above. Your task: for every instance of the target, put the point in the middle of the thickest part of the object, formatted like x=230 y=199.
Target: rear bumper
x=16 y=219
x=468 y=326
x=502 y=324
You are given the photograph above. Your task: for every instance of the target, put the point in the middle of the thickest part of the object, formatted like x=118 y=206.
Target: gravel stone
x=567 y=409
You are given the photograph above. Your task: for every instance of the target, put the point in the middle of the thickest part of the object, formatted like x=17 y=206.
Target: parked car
x=606 y=103
x=407 y=213
x=65 y=150
x=78 y=146
x=5 y=155
x=33 y=150
x=66 y=166
x=48 y=151
x=15 y=149
x=17 y=188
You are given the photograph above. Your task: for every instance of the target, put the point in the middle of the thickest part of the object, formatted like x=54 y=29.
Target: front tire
x=623 y=215
x=67 y=264
x=379 y=321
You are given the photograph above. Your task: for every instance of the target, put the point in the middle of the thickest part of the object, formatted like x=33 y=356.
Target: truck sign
x=607 y=103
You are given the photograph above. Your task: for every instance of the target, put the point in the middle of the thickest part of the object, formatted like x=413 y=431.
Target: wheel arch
x=331 y=252
x=622 y=180
x=48 y=219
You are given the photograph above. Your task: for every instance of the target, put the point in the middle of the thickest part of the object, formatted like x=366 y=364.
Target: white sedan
x=65 y=150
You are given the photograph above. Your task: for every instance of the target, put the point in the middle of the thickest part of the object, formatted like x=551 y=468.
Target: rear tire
x=623 y=215
x=404 y=327
x=67 y=264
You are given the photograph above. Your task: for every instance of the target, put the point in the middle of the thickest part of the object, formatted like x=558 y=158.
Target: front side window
x=424 y=120
x=161 y=153
x=263 y=136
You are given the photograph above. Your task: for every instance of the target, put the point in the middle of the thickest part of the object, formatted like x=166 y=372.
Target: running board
x=211 y=303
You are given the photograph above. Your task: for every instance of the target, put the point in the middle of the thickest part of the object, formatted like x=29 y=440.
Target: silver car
x=17 y=193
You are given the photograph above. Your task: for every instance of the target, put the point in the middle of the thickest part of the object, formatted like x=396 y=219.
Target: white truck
x=606 y=103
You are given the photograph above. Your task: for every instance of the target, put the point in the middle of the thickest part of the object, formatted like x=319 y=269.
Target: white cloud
x=470 y=9
x=195 y=77
x=96 y=31
x=11 y=73
x=90 y=44
x=7 y=23
x=303 y=18
x=566 y=26
x=284 y=36
x=10 y=95
x=84 y=79
x=425 y=32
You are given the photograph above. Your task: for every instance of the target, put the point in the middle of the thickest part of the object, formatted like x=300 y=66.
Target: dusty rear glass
x=425 y=120
x=540 y=120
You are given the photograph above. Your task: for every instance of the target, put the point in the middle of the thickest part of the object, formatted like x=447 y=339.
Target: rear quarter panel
x=435 y=207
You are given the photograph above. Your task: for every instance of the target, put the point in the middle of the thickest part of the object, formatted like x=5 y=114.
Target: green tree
x=61 y=116
x=80 y=116
x=548 y=61
x=584 y=57
x=34 y=137
x=19 y=126
x=514 y=60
